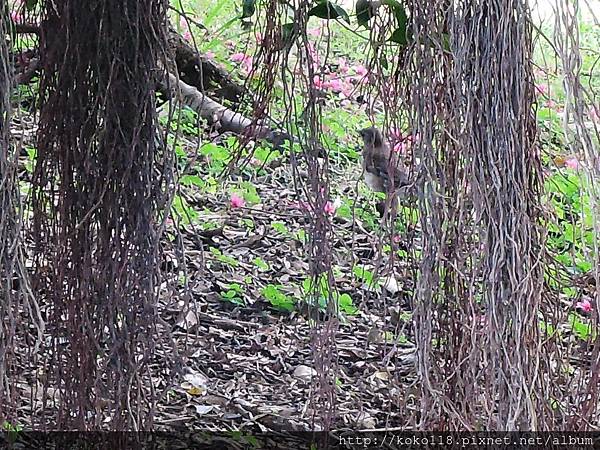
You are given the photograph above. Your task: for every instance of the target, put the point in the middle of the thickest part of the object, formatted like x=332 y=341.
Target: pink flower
x=399 y=147
x=595 y=114
x=396 y=134
x=318 y=82
x=343 y=65
x=314 y=32
x=187 y=36
x=347 y=90
x=360 y=70
x=542 y=89
x=238 y=57
x=236 y=201
x=210 y=55
x=585 y=305
x=402 y=142
x=330 y=208
x=245 y=60
x=16 y=17
x=572 y=163
x=335 y=85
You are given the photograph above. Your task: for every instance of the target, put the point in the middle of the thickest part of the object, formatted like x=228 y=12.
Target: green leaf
x=446 y=41
x=400 y=35
x=327 y=10
x=31 y=4
x=279 y=227
x=346 y=305
x=364 y=12
x=250 y=193
x=260 y=263
x=277 y=299
x=384 y=62
x=248 y=8
x=182 y=208
x=399 y=11
x=580 y=329
x=287 y=33
x=191 y=180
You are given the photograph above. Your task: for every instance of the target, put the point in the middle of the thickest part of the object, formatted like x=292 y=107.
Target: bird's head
x=371 y=136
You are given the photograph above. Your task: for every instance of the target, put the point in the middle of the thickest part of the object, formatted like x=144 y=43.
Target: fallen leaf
x=195 y=390
x=304 y=373
x=390 y=284
x=188 y=321
x=203 y=409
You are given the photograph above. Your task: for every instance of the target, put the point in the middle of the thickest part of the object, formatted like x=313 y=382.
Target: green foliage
x=328 y=10
x=233 y=294
x=248 y=8
x=12 y=431
x=10 y=427
x=547 y=328
x=364 y=12
x=266 y=155
x=572 y=235
x=217 y=156
x=280 y=227
x=582 y=330
x=261 y=264
x=345 y=304
x=363 y=274
x=224 y=259
x=246 y=440
x=301 y=236
x=249 y=192
x=278 y=299
x=31 y=157
x=182 y=209
x=317 y=294
x=188 y=122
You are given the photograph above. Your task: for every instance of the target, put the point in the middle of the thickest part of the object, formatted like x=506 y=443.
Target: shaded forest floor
x=252 y=361
x=249 y=362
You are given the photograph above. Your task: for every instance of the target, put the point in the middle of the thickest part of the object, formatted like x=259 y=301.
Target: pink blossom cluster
x=572 y=163
x=401 y=142
x=330 y=207
x=543 y=90
x=237 y=201
x=343 y=81
x=584 y=305
x=185 y=27
x=16 y=11
x=246 y=61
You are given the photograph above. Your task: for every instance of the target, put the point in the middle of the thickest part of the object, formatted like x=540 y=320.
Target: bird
x=381 y=168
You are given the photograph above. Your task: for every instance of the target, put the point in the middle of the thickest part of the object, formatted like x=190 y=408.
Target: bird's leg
x=388 y=209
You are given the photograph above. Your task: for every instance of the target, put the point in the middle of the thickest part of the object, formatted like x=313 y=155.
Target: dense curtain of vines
x=98 y=194
x=9 y=225
x=463 y=88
